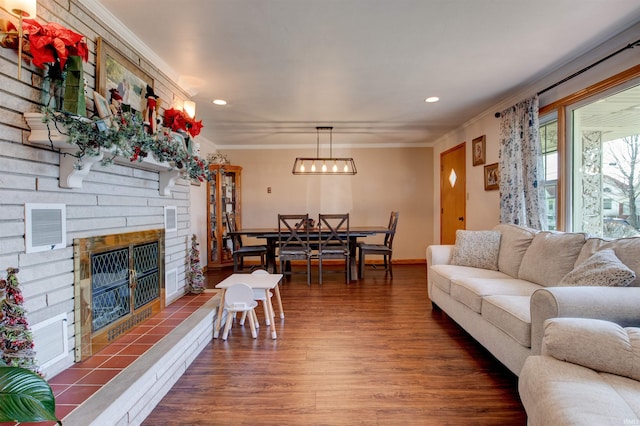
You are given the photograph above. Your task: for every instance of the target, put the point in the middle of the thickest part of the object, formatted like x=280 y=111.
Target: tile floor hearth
x=76 y=384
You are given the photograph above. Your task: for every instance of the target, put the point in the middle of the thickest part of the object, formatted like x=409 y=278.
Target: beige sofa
x=588 y=374
x=501 y=285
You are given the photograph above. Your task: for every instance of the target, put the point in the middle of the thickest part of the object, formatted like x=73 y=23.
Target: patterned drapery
x=520 y=166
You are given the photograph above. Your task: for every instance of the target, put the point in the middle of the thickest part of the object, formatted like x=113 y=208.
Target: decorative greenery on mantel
x=125 y=136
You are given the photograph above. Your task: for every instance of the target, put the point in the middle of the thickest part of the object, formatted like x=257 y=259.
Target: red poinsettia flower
x=194 y=127
x=178 y=120
x=174 y=119
x=50 y=43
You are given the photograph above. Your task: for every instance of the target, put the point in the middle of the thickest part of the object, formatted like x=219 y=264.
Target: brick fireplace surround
x=122 y=383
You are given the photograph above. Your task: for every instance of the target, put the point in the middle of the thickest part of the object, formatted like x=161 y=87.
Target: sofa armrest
x=596 y=344
x=439 y=254
x=616 y=304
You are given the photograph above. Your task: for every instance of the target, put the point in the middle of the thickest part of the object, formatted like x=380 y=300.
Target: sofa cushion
x=603 y=268
x=478 y=249
x=596 y=344
x=627 y=250
x=471 y=291
x=550 y=257
x=441 y=275
x=559 y=393
x=514 y=242
x=510 y=314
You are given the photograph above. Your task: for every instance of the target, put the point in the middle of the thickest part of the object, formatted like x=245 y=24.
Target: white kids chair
x=239 y=298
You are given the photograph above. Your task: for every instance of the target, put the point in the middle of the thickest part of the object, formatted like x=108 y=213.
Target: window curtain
x=520 y=166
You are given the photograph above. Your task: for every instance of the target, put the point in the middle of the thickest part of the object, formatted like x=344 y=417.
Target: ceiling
x=364 y=67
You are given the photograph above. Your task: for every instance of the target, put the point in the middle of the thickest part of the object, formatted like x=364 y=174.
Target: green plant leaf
x=25 y=396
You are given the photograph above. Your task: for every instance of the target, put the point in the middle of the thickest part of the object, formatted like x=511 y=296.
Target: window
x=549 y=141
x=605 y=140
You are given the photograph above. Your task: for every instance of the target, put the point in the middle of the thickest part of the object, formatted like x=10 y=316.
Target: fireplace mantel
x=72 y=174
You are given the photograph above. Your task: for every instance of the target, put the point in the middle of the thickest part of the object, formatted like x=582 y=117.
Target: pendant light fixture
x=324 y=165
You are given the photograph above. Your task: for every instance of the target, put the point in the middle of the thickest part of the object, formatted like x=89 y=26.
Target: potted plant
x=25 y=396
x=53 y=48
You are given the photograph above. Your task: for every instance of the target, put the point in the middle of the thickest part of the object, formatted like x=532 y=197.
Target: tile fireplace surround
x=122 y=383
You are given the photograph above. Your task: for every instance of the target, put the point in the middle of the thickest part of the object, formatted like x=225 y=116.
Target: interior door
x=453 y=184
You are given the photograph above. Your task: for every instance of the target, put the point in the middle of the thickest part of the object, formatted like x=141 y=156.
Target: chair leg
x=347 y=269
x=320 y=271
x=361 y=265
x=252 y=324
x=227 y=326
x=309 y=271
x=255 y=319
x=243 y=318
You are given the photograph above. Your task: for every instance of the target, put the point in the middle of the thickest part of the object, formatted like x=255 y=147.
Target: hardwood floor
x=369 y=353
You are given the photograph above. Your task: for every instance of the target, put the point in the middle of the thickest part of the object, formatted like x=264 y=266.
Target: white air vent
x=45 y=227
x=170 y=218
x=171 y=282
x=51 y=340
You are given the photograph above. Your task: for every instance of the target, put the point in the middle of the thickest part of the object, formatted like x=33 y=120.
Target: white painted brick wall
x=113 y=199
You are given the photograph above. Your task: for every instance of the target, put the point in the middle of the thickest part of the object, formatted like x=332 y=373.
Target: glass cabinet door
x=223 y=197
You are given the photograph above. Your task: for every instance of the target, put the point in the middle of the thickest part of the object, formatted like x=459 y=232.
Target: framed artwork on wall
x=478 y=146
x=491 y=177
x=116 y=72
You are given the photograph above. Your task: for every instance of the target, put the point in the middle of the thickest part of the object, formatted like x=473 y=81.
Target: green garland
x=125 y=136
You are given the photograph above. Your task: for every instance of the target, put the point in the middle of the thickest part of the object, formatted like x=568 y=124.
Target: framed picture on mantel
x=117 y=72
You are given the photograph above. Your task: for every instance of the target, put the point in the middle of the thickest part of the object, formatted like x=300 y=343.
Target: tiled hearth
x=121 y=383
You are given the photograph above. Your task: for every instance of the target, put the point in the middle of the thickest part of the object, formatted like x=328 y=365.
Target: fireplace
x=119 y=282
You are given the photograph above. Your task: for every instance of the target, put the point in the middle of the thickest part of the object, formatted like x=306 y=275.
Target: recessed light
x=219 y=102
x=432 y=99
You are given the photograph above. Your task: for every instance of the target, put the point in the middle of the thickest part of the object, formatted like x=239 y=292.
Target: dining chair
x=334 y=240
x=240 y=251
x=385 y=249
x=294 y=242
x=239 y=298
x=259 y=295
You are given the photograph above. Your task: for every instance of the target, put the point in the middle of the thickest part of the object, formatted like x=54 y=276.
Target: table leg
x=271 y=313
x=271 y=255
x=277 y=291
x=216 y=328
x=353 y=265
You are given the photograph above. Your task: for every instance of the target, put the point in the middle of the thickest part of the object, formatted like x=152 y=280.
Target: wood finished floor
x=369 y=353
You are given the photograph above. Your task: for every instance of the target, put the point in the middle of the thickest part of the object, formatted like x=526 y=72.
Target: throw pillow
x=603 y=268
x=478 y=249
x=627 y=250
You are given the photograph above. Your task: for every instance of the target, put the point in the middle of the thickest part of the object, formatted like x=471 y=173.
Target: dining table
x=315 y=234
x=264 y=282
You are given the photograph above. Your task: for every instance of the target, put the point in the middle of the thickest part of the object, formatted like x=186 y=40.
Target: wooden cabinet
x=223 y=196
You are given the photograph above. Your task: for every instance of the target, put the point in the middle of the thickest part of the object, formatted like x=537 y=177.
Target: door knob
x=461 y=218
